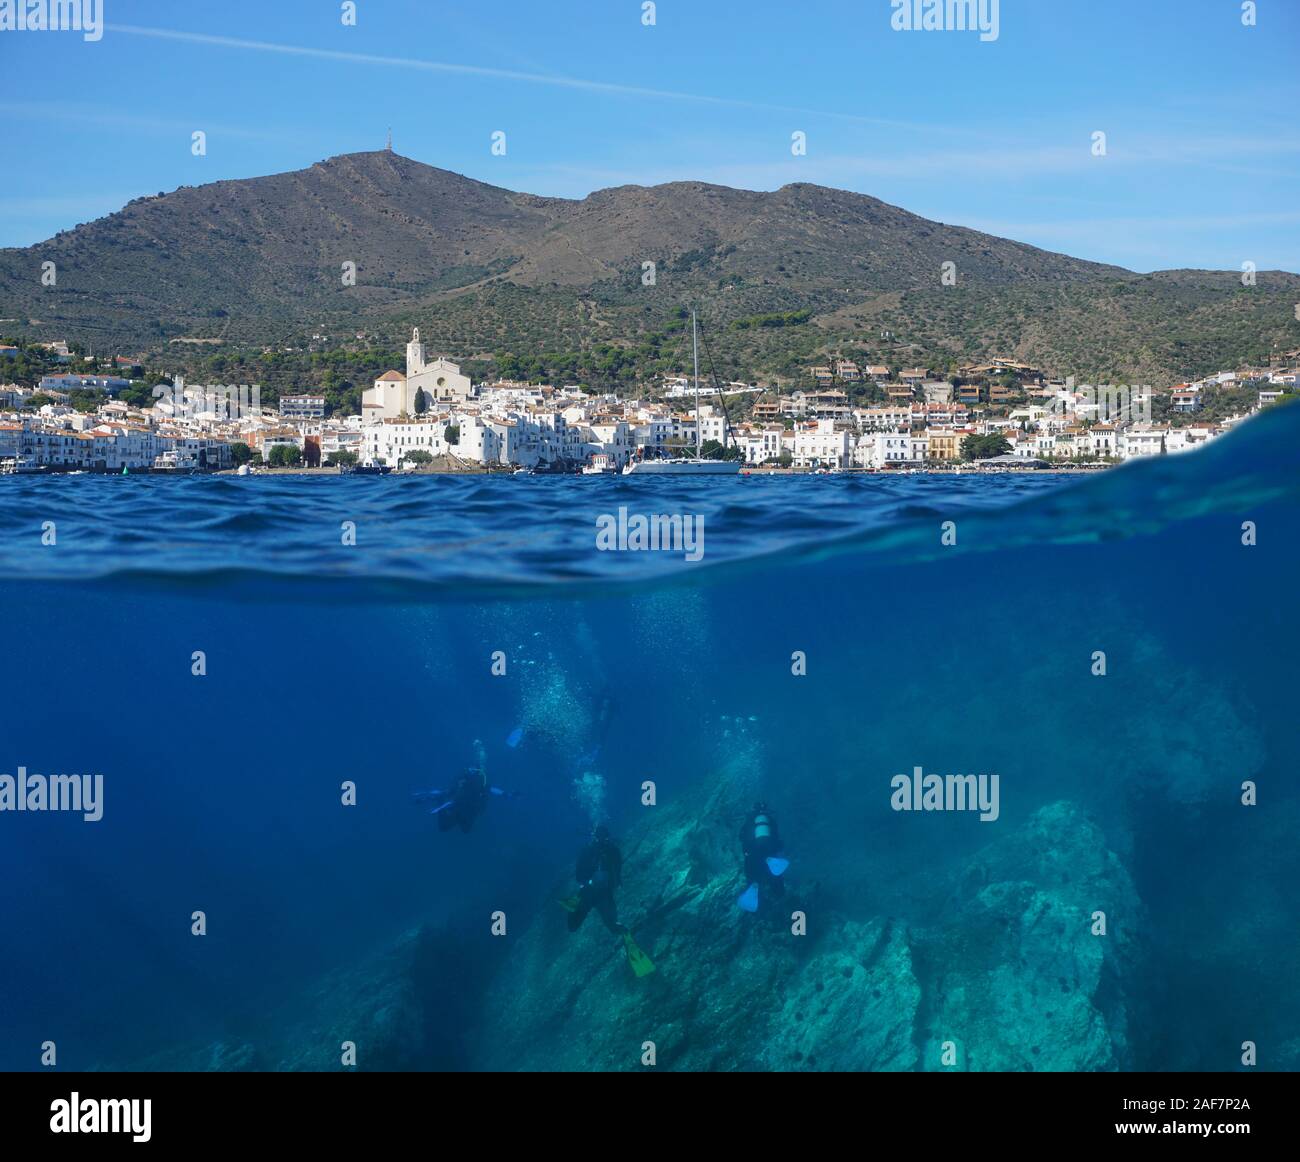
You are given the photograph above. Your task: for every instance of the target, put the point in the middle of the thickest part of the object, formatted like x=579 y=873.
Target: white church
x=394 y=394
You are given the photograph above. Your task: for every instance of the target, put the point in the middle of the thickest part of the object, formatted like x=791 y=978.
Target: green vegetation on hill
x=216 y=281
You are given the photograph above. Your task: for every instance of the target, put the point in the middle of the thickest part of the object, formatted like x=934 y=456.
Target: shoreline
x=782 y=472
x=332 y=472
x=965 y=469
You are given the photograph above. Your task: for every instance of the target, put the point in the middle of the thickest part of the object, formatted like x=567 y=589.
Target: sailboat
x=695 y=465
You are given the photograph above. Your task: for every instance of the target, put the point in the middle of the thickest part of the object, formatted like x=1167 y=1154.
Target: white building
x=654 y=432
x=760 y=447
x=612 y=437
x=822 y=446
x=395 y=394
x=1099 y=440
x=1185 y=439
x=302 y=407
x=441 y=380
x=885 y=450
x=387 y=399
x=389 y=441
x=1142 y=441
x=713 y=426
x=883 y=419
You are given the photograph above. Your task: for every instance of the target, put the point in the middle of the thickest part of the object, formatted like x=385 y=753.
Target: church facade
x=395 y=394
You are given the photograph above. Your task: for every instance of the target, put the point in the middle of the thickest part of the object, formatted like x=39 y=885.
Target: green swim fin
x=640 y=962
x=570 y=903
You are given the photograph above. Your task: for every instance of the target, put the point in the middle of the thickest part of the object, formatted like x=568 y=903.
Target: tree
x=240 y=453
x=984 y=447
x=285 y=456
x=341 y=459
x=418 y=456
x=421 y=402
x=712 y=450
x=452 y=434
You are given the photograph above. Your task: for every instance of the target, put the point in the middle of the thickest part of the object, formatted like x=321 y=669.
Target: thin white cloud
x=578 y=83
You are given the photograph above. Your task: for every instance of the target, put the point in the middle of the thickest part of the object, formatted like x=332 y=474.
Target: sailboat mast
x=695 y=350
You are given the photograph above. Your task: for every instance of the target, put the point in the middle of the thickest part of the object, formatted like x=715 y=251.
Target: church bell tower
x=414 y=354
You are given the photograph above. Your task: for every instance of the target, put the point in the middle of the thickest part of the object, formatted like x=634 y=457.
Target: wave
x=479 y=537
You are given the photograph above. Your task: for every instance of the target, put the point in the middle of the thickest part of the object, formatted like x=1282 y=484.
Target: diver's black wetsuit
x=759 y=839
x=465 y=802
x=468 y=800
x=599 y=871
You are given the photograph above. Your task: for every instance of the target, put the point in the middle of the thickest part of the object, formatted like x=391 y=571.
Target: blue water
x=372 y=662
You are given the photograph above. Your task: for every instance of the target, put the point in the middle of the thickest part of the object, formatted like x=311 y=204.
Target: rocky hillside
x=488 y=272
x=273 y=246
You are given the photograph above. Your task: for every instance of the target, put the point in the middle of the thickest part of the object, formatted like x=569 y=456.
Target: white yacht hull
x=682 y=467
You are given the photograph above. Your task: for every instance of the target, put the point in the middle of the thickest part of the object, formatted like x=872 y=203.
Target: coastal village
x=997 y=415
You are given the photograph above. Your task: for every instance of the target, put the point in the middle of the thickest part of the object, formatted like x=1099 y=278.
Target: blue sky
x=1203 y=147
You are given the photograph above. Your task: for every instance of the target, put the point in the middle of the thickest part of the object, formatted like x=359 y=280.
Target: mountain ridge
x=263 y=263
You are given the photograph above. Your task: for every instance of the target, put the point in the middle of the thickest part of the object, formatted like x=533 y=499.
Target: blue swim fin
x=777 y=864
x=749 y=898
x=515 y=737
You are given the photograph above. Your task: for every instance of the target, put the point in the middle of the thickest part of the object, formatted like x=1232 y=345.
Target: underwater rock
x=1015 y=978
x=1010 y=971
x=852 y=1007
x=412 y=1007
x=731 y=991
x=378 y=1010
x=407 y=1008
x=237 y=1057
x=995 y=954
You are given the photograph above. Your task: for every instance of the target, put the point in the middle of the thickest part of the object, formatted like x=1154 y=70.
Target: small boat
x=601 y=464
x=22 y=466
x=364 y=470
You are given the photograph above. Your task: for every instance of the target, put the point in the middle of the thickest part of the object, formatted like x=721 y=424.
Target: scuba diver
x=761 y=845
x=599 y=872
x=468 y=797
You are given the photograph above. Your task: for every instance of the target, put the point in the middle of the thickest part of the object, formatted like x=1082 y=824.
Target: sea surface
x=347 y=630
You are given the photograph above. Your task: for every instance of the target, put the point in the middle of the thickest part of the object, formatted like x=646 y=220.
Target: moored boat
x=695 y=465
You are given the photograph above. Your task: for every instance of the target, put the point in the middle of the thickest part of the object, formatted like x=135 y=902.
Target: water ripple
x=479 y=534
